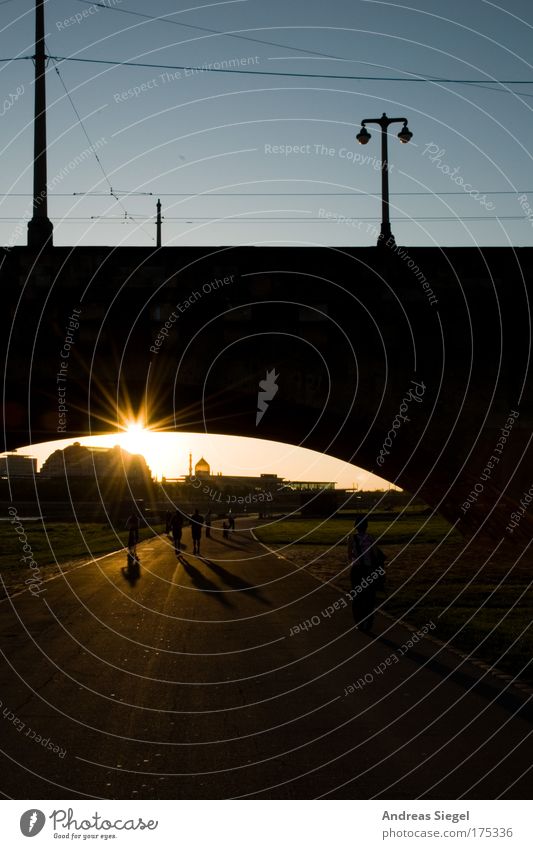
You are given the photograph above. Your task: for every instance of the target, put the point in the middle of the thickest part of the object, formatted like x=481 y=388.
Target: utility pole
x=158 y=224
x=40 y=228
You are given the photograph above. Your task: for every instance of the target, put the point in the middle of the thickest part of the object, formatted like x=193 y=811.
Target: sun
x=135 y=427
x=137 y=439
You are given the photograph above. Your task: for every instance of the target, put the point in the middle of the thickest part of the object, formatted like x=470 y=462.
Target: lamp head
x=363 y=136
x=405 y=135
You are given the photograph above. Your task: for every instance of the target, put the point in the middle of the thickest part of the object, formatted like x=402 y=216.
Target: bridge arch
x=435 y=397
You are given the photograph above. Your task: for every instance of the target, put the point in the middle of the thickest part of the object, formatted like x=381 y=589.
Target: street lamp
x=363 y=137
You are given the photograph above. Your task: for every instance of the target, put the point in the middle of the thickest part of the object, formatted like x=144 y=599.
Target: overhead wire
x=94 y=151
x=214 y=193
x=311 y=53
x=166 y=20
x=356 y=77
x=311 y=219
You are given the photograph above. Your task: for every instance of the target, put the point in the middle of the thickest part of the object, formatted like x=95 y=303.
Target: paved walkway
x=190 y=685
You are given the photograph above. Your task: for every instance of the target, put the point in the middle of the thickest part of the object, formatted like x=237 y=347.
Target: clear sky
x=168 y=454
x=277 y=139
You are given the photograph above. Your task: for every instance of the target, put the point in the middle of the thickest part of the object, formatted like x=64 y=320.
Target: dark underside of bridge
x=412 y=363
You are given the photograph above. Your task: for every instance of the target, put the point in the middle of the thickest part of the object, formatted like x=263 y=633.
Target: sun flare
x=137 y=439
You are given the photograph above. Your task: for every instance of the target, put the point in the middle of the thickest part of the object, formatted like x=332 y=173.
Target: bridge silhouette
x=412 y=363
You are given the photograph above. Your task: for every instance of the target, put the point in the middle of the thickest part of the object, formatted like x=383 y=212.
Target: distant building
x=202 y=468
x=84 y=461
x=17 y=466
x=306 y=486
x=267 y=482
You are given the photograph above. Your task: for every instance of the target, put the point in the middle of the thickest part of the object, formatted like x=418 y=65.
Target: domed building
x=83 y=461
x=202 y=468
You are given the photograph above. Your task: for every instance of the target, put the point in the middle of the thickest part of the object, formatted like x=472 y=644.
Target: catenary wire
x=358 y=77
x=213 y=193
x=82 y=125
x=206 y=69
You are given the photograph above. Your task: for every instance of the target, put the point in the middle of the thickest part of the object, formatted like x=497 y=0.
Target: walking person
x=132 y=524
x=196 y=530
x=367 y=568
x=208 y=523
x=176 y=527
x=132 y=570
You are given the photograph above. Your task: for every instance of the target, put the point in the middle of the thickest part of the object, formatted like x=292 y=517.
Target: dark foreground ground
x=190 y=685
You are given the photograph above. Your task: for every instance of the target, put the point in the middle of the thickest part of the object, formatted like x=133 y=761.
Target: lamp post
x=40 y=228
x=363 y=137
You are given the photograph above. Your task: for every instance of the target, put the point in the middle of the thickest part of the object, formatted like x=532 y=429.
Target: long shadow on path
x=235 y=582
x=203 y=583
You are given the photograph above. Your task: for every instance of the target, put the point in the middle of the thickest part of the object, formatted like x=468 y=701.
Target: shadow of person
x=234 y=581
x=202 y=583
x=233 y=541
x=132 y=570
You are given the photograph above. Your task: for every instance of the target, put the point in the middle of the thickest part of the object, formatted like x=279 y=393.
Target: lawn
x=394 y=529
x=482 y=602
x=55 y=541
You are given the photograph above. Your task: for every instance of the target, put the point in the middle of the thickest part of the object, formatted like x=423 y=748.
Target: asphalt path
x=195 y=683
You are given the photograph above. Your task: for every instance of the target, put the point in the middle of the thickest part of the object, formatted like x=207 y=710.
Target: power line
x=165 y=20
x=213 y=193
x=238 y=220
x=311 y=219
x=358 y=77
x=82 y=125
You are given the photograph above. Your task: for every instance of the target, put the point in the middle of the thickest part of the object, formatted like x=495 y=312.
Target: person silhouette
x=176 y=526
x=208 y=523
x=196 y=530
x=365 y=559
x=132 y=524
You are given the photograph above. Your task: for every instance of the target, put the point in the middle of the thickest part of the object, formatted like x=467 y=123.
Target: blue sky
x=284 y=139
